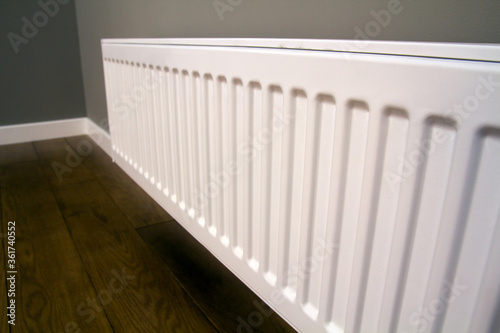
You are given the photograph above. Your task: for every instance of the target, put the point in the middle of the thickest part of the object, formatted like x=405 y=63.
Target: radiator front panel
x=351 y=192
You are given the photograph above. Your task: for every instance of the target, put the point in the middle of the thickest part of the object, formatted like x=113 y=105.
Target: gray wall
x=43 y=80
x=440 y=21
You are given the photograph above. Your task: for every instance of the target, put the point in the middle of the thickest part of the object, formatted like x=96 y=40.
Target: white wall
x=440 y=21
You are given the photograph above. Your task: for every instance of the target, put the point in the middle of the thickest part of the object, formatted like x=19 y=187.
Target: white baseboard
x=42 y=131
x=55 y=129
x=100 y=136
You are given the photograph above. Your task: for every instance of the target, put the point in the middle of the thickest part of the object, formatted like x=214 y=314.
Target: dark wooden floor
x=95 y=254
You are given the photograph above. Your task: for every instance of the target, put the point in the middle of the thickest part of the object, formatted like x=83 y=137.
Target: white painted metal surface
x=354 y=190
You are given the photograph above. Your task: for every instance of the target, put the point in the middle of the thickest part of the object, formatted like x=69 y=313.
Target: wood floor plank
x=226 y=300
x=51 y=282
x=20 y=152
x=151 y=300
x=60 y=163
x=137 y=205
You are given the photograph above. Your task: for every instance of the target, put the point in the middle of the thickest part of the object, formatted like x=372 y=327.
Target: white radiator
x=354 y=186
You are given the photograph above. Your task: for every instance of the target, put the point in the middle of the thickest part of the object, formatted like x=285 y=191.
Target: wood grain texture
x=21 y=152
x=138 y=206
x=226 y=300
x=51 y=281
x=151 y=300
x=60 y=163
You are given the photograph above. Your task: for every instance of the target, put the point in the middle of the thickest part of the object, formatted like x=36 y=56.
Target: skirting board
x=55 y=129
x=100 y=136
